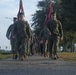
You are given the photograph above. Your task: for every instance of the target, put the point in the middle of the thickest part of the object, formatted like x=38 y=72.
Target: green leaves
x=39 y=17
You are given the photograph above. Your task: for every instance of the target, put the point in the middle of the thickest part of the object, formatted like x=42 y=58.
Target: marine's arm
x=28 y=29
x=8 y=33
x=14 y=30
x=60 y=31
x=48 y=27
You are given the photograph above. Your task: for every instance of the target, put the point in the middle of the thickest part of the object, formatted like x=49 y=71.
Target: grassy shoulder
x=5 y=56
x=63 y=55
x=68 y=56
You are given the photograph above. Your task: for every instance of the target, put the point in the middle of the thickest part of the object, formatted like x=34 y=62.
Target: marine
x=56 y=35
x=22 y=33
x=9 y=35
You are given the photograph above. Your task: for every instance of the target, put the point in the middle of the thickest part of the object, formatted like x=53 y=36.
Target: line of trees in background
x=66 y=13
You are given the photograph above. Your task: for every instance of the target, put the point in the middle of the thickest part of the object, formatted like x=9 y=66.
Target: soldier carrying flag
x=56 y=35
x=46 y=31
x=22 y=33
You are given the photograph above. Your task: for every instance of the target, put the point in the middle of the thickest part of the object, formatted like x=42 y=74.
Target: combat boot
x=50 y=56
x=13 y=56
x=55 y=57
x=16 y=56
x=25 y=55
x=45 y=54
x=21 y=57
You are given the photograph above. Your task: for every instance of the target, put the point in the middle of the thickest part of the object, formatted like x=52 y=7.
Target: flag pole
x=45 y=31
x=21 y=10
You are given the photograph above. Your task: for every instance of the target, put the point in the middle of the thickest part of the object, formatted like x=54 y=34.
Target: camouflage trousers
x=12 y=42
x=53 y=44
x=21 y=46
x=27 y=46
x=45 y=47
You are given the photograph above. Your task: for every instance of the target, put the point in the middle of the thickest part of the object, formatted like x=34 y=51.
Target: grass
x=63 y=55
x=68 y=56
x=5 y=56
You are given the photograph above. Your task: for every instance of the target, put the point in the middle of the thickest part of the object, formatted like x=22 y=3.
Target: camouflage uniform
x=31 y=42
x=55 y=28
x=41 y=41
x=9 y=35
x=22 y=34
x=44 y=37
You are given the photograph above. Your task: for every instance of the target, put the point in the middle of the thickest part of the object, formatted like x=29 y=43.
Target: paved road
x=37 y=65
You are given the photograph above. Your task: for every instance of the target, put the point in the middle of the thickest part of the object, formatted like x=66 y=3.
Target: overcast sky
x=10 y=8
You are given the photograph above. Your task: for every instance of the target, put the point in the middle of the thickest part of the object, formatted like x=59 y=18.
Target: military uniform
x=44 y=34
x=9 y=35
x=22 y=33
x=55 y=28
x=41 y=41
x=31 y=42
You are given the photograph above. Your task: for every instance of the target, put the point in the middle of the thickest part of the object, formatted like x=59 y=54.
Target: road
x=37 y=65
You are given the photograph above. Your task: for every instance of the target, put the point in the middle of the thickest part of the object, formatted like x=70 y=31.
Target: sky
x=8 y=10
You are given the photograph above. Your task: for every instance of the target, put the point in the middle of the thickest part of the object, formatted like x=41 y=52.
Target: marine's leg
x=50 y=47
x=23 y=53
x=44 y=47
x=12 y=48
x=56 y=47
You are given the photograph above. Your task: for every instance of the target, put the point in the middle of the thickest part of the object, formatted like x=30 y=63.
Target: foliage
x=69 y=20
x=66 y=13
x=40 y=15
x=69 y=14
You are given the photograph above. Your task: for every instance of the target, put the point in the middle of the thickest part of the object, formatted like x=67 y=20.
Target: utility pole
x=9 y=18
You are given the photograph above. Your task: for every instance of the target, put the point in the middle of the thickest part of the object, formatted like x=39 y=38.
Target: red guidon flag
x=20 y=10
x=48 y=15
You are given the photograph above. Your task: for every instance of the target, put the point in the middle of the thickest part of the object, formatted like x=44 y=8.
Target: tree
x=40 y=15
x=66 y=13
x=69 y=13
x=69 y=19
